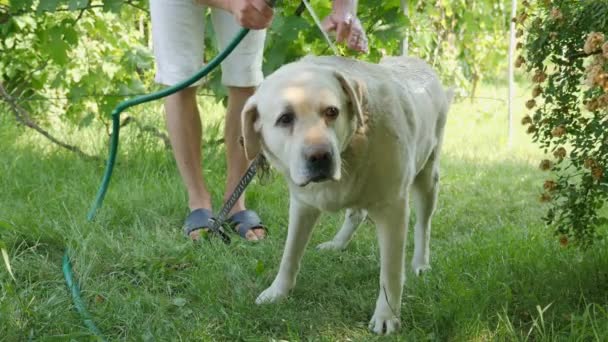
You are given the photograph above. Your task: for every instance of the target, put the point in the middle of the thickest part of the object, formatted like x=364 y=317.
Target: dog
x=359 y=136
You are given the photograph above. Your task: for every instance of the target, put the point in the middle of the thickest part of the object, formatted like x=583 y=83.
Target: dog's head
x=302 y=117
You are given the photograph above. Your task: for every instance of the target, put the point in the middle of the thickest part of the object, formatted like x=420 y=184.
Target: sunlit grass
x=498 y=272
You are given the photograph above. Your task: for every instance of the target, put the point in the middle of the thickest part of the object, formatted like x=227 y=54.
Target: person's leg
x=185 y=133
x=241 y=73
x=236 y=161
x=177 y=28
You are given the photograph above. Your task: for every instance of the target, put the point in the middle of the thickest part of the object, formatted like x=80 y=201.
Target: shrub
x=566 y=52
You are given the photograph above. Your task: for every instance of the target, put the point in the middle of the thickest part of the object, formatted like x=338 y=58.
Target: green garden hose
x=76 y=299
x=147 y=98
x=66 y=263
x=67 y=266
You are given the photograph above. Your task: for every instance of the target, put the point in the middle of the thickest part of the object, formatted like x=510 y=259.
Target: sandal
x=198 y=219
x=244 y=221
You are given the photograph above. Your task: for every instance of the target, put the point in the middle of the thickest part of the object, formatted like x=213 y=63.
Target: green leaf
x=112 y=5
x=179 y=301
x=86 y=120
x=59 y=79
x=77 y=93
x=56 y=46
x=5 y=226
x=38 y=81
x=7 y=262
x=70 y=35
x=77 y=4
x=47 y=5
x=21 y=5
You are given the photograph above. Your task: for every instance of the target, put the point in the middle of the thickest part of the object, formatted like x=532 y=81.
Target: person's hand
x=251 y=14
x=348 y=28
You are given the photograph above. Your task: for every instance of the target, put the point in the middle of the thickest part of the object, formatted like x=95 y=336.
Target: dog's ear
x=354 y=91
x=250 y=129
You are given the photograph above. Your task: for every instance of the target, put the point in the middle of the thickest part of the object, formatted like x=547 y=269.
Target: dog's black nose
x=319 y=162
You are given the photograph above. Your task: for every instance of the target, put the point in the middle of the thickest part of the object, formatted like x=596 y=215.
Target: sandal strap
x=244 y=221
x=198 y=219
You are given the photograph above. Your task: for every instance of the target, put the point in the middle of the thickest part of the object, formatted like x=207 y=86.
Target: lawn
x=497 y=272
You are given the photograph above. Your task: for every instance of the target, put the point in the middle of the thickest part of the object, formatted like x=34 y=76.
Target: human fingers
x=328 y=24
x=252 y=14
x=344 y=26
x=357 y=39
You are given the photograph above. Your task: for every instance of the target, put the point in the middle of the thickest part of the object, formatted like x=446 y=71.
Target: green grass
x=498 y=272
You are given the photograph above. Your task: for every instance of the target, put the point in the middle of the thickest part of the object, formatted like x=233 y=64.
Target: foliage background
x=569 y=104
x=76 y=59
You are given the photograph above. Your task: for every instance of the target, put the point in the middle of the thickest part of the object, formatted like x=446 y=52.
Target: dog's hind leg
x=352 y=220
x=425 y=191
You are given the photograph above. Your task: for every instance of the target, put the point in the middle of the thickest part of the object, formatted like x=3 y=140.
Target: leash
x=236 y=193
x=315 y=18
x=66 y=263
x=216 y=61
x=114 y=139
x=252 y=169
x=67 y=266
x=147 y=98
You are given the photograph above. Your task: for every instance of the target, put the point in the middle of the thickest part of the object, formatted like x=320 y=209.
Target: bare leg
x=352 y=220
x=185 y=133
x=236 y=161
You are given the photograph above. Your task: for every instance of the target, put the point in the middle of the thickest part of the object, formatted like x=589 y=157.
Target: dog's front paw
x=331 y=246
x=421 y=268
x=272 y=294
x=420 y=265
x=384 y=323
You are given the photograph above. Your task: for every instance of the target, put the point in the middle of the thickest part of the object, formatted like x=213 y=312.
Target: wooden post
x=512 y=43
x=404 y=42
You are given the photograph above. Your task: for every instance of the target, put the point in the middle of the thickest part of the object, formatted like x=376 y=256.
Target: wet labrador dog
x=357 y=136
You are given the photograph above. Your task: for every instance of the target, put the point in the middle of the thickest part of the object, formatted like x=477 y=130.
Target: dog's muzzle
x=319 y=162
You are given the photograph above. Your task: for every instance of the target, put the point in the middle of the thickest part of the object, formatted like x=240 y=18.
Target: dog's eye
x=286 y=119
x=331 y=112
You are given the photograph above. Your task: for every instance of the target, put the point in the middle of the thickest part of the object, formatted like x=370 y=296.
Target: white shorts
x=178 y=29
